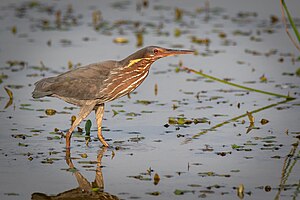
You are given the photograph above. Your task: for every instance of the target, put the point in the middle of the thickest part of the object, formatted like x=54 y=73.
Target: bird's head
x=155 y=52
x=152 y=53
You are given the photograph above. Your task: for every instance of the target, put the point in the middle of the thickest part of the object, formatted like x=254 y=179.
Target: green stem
x=291 y=20
x=235 y=119
x=236 y=85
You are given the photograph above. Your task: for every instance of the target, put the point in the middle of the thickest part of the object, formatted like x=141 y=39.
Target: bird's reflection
x=85 y=190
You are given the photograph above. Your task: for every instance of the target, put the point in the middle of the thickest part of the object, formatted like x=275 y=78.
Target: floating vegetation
x=182 y=192
x=121 y=40
x=139 y=39
x=236 y=85
x=156 y=179
x=201 y=41
x=206 y=174
x=264 y=121
x=184 y=121
x=22 y=136
x=22 y=144
x=50 y=112
x=11 y=97
x=156 y=193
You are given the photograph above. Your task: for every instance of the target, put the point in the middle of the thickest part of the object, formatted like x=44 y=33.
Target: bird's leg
x=83 y=113
x=99 y=116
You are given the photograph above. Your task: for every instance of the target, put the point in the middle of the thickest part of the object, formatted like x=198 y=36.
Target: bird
x=90 y=87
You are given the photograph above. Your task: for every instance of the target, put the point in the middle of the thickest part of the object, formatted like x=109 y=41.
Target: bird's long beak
x=171 y=52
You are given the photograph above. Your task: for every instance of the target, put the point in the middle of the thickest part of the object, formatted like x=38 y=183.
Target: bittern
x=91 y=86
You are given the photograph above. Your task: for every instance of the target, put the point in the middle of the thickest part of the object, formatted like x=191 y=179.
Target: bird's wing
x=83 y=83
x=81 y=89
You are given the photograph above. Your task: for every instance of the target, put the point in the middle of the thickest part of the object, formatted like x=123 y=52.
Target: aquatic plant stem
x=237 y=85
x=284 y=7
x=234 y=119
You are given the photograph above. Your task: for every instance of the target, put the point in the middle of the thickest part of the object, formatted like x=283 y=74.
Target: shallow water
x=199 y=160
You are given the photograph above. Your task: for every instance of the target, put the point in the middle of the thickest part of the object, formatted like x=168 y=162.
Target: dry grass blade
x=250 y=117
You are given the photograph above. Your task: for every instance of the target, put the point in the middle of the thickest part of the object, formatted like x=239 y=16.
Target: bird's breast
x=124 y=81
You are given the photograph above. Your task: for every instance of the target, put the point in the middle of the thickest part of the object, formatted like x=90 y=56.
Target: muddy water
x=192 y=132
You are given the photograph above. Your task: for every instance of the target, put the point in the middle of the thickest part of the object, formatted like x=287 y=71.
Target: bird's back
x=81 y=83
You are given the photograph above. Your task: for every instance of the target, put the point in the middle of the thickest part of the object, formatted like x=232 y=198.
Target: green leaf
x=156 y=193
x=88 y=126
x=235 y=146
x=181 y=121
x=115 y=112
x=298 y=72
x=22 y=144
x=181 y=192
x=144 y=102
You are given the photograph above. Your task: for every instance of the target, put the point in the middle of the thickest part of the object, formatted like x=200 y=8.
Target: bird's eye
x=155 y=51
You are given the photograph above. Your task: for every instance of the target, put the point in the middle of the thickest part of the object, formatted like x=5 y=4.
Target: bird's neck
x=137 y=63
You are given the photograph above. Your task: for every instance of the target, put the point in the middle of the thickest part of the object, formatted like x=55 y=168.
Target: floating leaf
x=73 y=118
x=195 y=185
x=11 y=194
x=156 y=193
x=206 y=174
x=132 y=114
x=14 y=30
x=47 y=161
x=113 y=154
x=10 y=94
x=155 y=89
x=91 y=162
x=264 y=121
x=139 y=39
x=298 y=72
x=144 y=102
x=50 y=112
x=181 y=192
x=201 y=41
x=140 y=177
x=178 y=14
x=240 y=191
x=181 y=121
x=177 y=32
x=83 y=155
x=156 y=179
x=268 y=188
x=115 y=112
x=263 y=79
x=121 y=40
x=22 y=136
x=235 y=146
x=172 y=120
x=70 y=64
x=22 y=144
